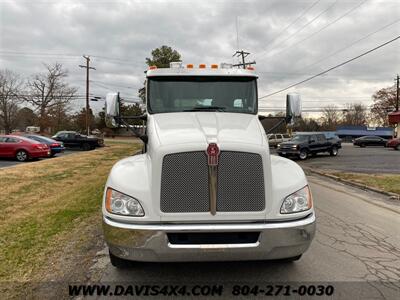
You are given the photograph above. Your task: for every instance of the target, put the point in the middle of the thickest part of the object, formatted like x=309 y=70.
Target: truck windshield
x=202 y=93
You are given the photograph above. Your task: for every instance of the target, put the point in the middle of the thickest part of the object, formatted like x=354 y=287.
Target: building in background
x=350 y=132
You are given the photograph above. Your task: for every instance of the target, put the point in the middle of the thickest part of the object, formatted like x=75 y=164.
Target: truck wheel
x=303 y=154
x=119 y=263
x=397 y=147
x=21 y=155
x=334 y=151
x=86 y=147
x=291 y=259
x=362 y=145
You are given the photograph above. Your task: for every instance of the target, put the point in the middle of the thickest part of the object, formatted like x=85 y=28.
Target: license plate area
x=213 y=238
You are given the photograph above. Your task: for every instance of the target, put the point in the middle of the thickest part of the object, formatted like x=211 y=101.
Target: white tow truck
x=205 y=187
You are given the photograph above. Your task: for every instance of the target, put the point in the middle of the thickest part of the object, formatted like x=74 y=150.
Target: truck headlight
x=297 y=202
x=121 y=204
x=294 y=147
x=279 y=145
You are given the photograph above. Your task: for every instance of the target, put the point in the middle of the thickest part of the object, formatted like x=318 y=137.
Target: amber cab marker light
x=202 y=66
x=214 y=66
x=108 y=199
x=189 y=66
x=152 y=67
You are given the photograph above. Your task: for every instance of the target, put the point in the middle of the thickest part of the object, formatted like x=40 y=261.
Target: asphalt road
x=8 y=162
x=356 y=240
x=356 y=159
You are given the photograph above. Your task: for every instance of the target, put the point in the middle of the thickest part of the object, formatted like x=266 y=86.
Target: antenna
x=237 y=32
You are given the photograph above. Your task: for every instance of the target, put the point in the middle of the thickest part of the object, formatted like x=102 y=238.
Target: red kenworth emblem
x=212 y=154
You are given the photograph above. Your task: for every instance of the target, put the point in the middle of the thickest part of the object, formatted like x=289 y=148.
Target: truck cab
x=206 y=187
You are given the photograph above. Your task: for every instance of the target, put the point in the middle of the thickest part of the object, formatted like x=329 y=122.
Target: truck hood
x=207 y=127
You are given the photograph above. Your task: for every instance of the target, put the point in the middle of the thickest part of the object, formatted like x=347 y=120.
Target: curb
x=392 y=196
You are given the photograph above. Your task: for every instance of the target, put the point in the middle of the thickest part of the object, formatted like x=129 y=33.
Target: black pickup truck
x=72 y=139
x=304 y=144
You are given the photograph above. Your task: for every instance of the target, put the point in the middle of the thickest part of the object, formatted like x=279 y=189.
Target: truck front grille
x=185 y=182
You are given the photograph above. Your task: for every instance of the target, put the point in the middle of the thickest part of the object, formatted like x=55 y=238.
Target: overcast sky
x=289 y=39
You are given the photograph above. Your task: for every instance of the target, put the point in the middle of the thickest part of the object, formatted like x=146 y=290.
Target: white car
x=276 y=138
x=206 y=187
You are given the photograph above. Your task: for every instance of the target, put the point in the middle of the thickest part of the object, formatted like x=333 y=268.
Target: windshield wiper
x=207 y=108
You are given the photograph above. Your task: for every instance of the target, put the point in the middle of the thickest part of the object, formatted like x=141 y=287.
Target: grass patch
x=386 y=182
x=43 y=201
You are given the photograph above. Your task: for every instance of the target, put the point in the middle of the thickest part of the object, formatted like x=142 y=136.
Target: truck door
x=313 y=144
x=323 y=143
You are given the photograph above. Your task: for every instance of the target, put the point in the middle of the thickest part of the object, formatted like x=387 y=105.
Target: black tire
x=120 y=263
x=334 y=151
x=52 y=154
x=397 y=147
x=362 y=145
x=86 y=147
x=291 y=259
x=21 y=155
x=303 y=154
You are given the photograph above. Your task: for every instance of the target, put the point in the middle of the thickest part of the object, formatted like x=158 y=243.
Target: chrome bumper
x=147 y=242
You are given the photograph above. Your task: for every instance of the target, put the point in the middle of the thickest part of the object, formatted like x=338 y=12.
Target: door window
x=12 y=140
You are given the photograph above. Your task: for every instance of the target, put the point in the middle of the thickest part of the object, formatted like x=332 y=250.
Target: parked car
x=22 y=148
x=370 y=141
x=304 y=144
x=55 y=146
x=275 y=139
x=394 y=143
x=74 y=139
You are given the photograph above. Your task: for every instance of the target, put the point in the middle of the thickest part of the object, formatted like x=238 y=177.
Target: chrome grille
x=240 y=182
x=185 y=183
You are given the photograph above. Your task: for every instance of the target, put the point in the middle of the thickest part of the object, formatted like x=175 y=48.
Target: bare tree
x=330 y=117
x=355 y=114
x=384 y=102
x=10 y=84
x=48 y=91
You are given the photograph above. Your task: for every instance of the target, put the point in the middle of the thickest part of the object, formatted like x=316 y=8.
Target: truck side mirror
x=293 y=107
x=112 y=110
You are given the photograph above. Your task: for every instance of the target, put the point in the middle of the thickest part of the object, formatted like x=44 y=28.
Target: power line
x=103 y=86
x=352 y=44
x=302 y=27
x=65 y=56
x=11 y=52
x=323 y=28
x=243 y=54
x=332 y=68
x=116 y=85
x=290 y=24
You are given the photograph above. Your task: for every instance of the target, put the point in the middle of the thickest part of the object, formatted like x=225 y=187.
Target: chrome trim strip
x=212 y=181
x=210 y=227
x=214 y=246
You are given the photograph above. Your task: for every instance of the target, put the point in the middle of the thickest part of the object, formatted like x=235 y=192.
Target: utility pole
x=243 y=54
x=87 y=67
x=397 y=92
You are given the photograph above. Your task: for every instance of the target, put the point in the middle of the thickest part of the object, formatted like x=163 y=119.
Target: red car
x=22 y=148
x=394 y=143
